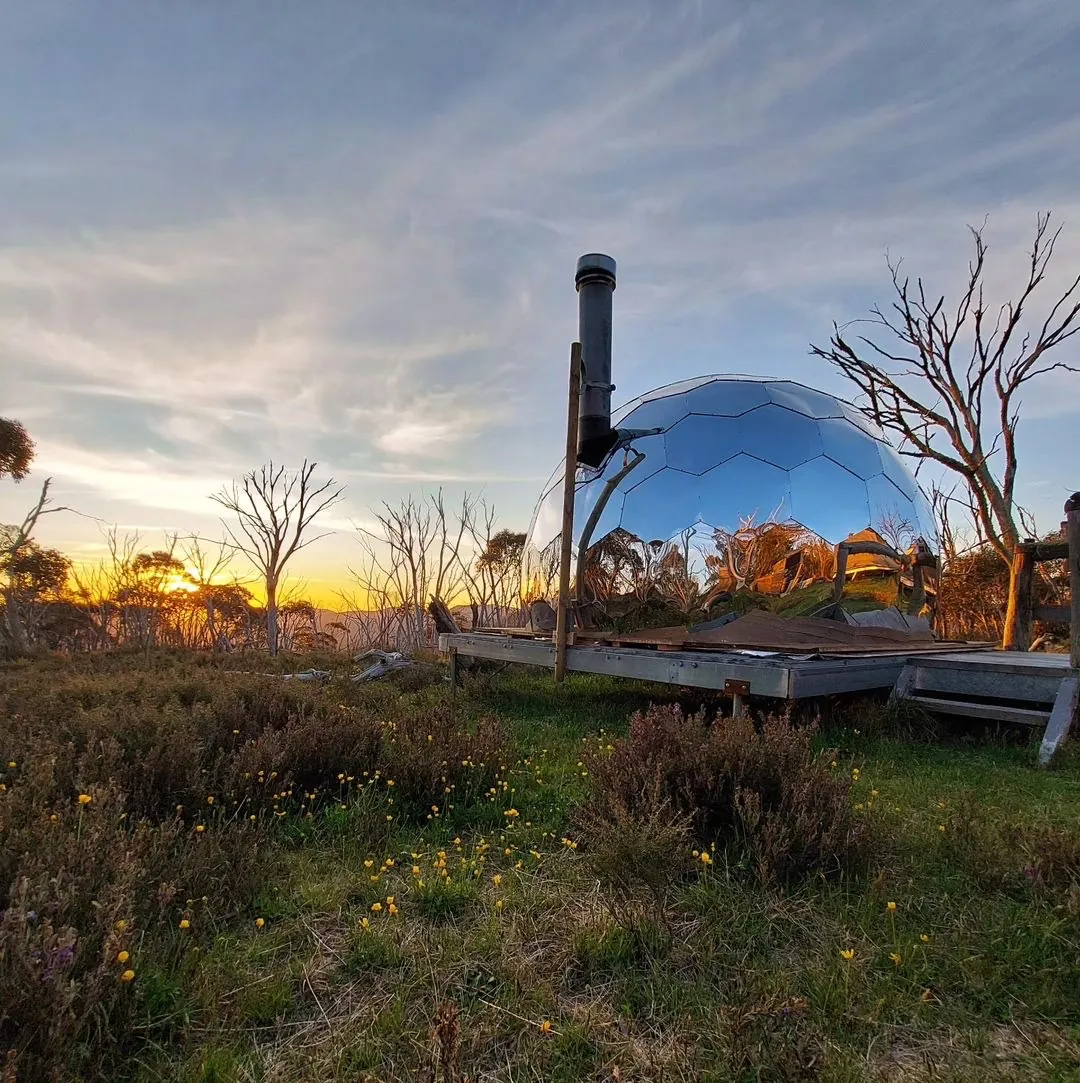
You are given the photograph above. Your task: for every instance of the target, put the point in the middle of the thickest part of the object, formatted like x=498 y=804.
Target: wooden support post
x=455 y=675
x=1017 y=632
x=1072 y=536
x=841 y=572
x=566 y=540
x=918 y=591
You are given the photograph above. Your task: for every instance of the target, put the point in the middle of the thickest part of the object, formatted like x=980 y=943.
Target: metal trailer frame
x=738 y=673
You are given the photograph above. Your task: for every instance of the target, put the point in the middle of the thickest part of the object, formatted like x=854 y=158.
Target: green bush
x=760 y=791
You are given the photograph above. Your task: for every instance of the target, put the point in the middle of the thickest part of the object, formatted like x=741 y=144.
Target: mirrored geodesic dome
x=748 y=483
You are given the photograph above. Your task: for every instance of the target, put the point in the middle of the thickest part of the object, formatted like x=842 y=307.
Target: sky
x=236 y=230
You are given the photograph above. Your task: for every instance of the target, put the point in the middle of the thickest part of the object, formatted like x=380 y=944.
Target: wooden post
x=1072 y=536
x=566 y=541
x=1017 y=632
x=841 y=572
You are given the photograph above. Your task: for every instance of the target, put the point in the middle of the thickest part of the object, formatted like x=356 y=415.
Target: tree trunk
x=16 y=629
x=271 y=618
x=1016 y=634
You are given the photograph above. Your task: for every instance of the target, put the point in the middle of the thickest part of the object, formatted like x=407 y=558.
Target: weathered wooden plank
x=1056 y=613
x=997 y=661
x=1043 y=551
x=1039 y=687
x=990 y=712
x=1062 y=717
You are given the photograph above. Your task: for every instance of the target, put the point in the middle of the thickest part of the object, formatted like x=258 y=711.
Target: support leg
x=904 y=686
x=1061 y=718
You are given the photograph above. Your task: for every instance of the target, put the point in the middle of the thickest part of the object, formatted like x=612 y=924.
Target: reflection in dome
x=748 y=485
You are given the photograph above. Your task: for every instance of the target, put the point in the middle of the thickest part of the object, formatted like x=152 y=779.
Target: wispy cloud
x=352 y=238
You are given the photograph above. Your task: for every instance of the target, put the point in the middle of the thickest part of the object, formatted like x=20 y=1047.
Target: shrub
x=761 y=791
x=637 y=850
x=185 y=774
x=83 y=884
x=435 y=761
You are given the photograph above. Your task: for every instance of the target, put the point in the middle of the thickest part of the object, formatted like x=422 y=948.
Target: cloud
x=356 y=242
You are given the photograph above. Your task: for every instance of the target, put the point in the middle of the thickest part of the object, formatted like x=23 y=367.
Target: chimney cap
x=595 y=264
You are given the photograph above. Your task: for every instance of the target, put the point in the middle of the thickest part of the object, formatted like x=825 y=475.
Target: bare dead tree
x=491 y=566
x=414 y=554
x=275 y=508
x=948 y=382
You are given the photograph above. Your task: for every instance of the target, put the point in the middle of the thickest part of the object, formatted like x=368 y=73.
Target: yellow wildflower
x=545 y=1027
x=85 y=799
x=890 y=906
x=499 y=904
x=184 y=923
x=128 y=975
x=924 y=938
x=210 y=799
x=12 y=764
x=705 y=859
x=416 y=870
x=392 y=909
x=512 y=813
x=122 y=957
x=896 y=958
x=199 y=829
x=376 y=908
x=847 y=953
x=369 y=863
x=260 y=922
x=364 y=923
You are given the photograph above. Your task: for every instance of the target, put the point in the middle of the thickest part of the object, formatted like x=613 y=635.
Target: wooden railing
x=1022 y=611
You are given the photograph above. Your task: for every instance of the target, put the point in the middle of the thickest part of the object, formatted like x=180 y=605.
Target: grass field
x=213 y=876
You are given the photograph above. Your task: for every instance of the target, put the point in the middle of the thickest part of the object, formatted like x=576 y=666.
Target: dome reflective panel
x=769 y=467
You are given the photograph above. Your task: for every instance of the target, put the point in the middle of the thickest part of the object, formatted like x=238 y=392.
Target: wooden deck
x=972 y=681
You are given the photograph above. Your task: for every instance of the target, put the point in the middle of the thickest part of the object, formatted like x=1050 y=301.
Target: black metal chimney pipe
x=595 y=281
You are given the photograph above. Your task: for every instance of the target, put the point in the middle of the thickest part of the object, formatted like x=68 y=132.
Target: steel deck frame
x=777 y=676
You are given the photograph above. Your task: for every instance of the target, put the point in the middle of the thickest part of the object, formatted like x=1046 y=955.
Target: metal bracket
x=736 y=688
